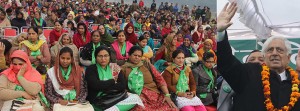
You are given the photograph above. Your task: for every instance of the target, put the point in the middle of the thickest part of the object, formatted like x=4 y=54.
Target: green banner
x=242 y=48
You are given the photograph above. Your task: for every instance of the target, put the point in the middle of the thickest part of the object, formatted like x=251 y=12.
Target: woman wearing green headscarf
x=106 y=38
x=180 y=81
x=104 y=77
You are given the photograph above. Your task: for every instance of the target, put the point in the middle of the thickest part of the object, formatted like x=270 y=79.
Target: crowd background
x=159 y=29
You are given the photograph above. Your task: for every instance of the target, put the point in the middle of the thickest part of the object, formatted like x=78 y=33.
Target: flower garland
x=267 y=90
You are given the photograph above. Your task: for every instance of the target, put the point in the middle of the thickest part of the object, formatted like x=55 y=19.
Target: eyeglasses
x=103 y=56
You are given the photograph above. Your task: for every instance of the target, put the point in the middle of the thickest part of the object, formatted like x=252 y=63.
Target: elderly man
x=226 y=93
x=272 y=86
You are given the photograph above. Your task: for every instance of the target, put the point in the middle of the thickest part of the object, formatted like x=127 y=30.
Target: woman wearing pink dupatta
x=121 y=47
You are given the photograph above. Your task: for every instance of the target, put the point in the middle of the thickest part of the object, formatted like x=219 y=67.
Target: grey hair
x=269 y=40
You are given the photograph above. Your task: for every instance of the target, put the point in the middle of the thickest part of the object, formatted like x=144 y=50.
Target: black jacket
x=95 y=85
x=86 y=52
x=245 y=80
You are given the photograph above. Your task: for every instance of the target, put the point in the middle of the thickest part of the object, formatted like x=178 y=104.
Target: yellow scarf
x=32 y=47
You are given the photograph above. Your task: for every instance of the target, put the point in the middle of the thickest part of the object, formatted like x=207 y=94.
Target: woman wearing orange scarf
x=20 y=81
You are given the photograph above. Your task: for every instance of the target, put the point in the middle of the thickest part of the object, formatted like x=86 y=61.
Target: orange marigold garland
x=265 y=73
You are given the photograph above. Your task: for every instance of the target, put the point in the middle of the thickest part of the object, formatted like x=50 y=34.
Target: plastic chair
x=46 y=32
x=10 y=32
x=94 y=26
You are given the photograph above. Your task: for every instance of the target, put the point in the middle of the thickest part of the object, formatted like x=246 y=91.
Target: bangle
x=167 y=95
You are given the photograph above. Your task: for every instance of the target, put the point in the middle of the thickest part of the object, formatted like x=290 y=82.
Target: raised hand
x=2 y=48
x=225 y=16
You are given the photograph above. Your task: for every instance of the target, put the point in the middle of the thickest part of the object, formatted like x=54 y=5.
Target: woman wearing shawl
x=106 y=38
x=143 y=79
x=121 y=47
x=163 y=56
x=129 y=33
x=82 y=36
x=70 y=17
x=189 y=52
x=180 y=81
x=17 y=40
x=148 y=53
x=37 y=49
x=179 y=39
x=65 y=80
x=56 y=33
x=167 y=29
x=21 y=81
x=150 y=42
x=198 y=36
x=138 y=24
x=207 y=46
x=19 y=21
x=38 y=20
x=65 y=40
x=107 y=76
x=206 y=79
x=87 y=56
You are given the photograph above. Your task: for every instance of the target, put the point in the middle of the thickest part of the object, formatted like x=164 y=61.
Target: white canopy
x=264 y=18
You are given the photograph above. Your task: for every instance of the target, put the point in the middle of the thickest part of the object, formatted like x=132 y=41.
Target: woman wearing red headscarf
x=20 y=80
x=82 y=36
x=130 y=35
x=56 y=33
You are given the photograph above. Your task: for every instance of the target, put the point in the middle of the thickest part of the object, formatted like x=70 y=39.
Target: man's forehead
x=276 y=43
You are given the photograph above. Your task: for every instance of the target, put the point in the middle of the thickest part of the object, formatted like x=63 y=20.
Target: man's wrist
x=220 y=36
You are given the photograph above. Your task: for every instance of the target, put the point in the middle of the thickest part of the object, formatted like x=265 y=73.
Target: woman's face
x=179 y=37
x=70 y=26
x=207 y=45
x=32 y=35
x=139 y=21
x=147 y=36
x=37 y=15
x=187 y=42
x=20 y=15
x=200 y=29
x=144 y=28
x=96 y=37
x=101 y=29
x=66 y=40
x=22 y=38
x=57 y=27
x=121 y=37
x=103 y=58
x=174 y=41
x=70 y=17
x=130 y=30
x=81 y=18
x=81 y=29
x=136 y=57
x=179 y=59
x=143 y=43
x=17 y=64
x=168 y=25
x=65 y=59
x=209 y=63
